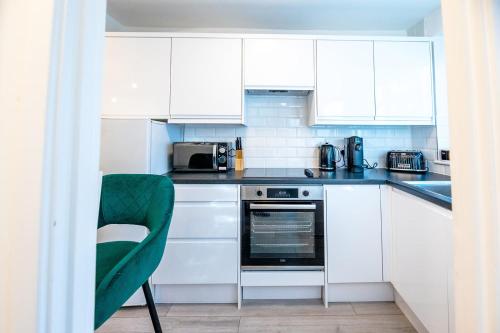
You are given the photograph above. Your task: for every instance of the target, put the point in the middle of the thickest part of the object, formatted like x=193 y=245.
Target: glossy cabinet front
x=422 y=255
x=403 y=81
x=136 y=78
x=279 y=63
x=202 y=244
x=354 y=233
x=206 y=80
x=345 y=85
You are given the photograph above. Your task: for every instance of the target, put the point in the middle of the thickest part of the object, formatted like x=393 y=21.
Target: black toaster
x=406 y=160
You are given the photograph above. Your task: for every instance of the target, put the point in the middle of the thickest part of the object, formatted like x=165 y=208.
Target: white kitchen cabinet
x=279 y=63
x=202 y=244
x=137 y=146
x=403 y=81
x=210 y=220
x=198 y=262
x=136 y=78
x=345 y=88
x=206 y=80
x=354 y=233
x=422 y=247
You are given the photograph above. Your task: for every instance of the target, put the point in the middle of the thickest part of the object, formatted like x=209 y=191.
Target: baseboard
x=207 y=293
x=282 y=292
x=417 y=324
x=360 y=292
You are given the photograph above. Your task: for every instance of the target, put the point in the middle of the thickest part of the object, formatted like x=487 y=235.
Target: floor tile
x=200 y=324
x=378 y=322
x=263 y=308
x=141 y=311
x=126 y=325
x=381 y=308
x=264 y=316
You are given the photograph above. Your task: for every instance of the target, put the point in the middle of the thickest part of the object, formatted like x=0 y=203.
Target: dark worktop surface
x=297 y=177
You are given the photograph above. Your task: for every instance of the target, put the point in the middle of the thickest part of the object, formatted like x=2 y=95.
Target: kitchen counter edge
x=341 y=177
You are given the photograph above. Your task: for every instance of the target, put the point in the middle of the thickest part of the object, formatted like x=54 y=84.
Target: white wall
x=432 y=25
x=25 y=34
x=50 y=60
x=277 y=134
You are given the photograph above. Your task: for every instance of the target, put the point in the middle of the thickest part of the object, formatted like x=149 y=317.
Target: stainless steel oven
x=282 y=227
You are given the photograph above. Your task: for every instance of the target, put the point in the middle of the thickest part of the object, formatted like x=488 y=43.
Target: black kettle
x=327 y=158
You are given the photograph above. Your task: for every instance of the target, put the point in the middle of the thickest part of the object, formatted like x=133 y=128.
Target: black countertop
x=297 y=176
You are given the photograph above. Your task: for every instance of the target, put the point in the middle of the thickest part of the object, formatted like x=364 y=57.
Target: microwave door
x=196 y=157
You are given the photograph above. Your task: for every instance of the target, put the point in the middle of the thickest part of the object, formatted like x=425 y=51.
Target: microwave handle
x=282 y=206
x=214 y=157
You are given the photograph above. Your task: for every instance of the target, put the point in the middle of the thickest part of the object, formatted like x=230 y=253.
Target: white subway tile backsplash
x=277 y=135
x=208 y=132
x=285 y=152
x=286 y=132
x=225 y=132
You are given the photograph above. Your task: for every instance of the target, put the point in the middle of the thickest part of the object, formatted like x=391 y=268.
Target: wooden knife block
x=239 y=166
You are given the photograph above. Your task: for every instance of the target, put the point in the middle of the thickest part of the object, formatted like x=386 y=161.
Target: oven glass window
x=282 y=234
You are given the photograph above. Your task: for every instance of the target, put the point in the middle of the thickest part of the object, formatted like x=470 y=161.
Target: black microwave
x=201 y=156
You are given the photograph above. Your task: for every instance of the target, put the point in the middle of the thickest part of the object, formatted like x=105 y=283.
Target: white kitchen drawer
x=204 y=220
x=206 y=193
x=198 y=262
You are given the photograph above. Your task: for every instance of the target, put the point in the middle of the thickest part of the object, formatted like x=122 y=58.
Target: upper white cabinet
x=422 y=255
x=206 y=80
x=345 y=88
x=354 y=233
x=403 y=81
x=374 y=83
x=279 y=63
x=136 y=77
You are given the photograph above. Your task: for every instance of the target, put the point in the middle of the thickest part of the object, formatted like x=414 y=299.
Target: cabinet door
x=354 y=234
x=136 y=77
x=403 y=81
x=204 y=220
x=198 y=262
x=421 y=258
x=279 y=63
x=206 y=78
x=345 y=77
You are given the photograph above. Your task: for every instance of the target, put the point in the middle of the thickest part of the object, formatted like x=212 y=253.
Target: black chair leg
x=151 y=307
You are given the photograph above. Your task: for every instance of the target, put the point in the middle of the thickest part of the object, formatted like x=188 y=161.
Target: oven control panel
x=313 y=192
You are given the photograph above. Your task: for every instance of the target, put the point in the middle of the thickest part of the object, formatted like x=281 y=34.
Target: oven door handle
x=283 y=206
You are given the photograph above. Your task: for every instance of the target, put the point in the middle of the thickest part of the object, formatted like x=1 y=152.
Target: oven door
x=282 y=234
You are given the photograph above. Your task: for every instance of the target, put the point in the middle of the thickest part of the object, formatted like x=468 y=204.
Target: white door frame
x=72 y=178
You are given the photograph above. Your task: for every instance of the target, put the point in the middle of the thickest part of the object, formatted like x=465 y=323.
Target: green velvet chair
x=124 y=266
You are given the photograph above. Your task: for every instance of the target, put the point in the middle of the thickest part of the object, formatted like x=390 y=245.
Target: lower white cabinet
x=198 y=262
x=202 y=243
x=204 y=220
x=354 y=233
x=422 y=256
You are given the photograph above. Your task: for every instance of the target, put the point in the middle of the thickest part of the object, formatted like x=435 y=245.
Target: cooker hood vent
x=277 y=92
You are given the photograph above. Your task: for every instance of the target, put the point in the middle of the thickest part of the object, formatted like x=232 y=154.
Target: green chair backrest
x=146 y=200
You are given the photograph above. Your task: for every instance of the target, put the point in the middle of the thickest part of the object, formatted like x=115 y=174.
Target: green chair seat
x=108 y=255
x=122 y=267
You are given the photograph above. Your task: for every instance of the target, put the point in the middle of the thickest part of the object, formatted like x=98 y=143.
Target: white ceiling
x=271 y=14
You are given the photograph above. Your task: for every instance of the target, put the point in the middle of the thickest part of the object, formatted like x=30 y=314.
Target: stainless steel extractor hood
x=277 y=92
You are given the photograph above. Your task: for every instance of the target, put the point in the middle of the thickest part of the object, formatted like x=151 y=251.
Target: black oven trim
x=319 y=249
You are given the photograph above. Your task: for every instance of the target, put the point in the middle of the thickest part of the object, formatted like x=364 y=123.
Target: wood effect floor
x=264 y=317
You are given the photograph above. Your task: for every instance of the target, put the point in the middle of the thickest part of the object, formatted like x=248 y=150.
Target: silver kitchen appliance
x=201 y=156
x=406 y=160
x=282 y=227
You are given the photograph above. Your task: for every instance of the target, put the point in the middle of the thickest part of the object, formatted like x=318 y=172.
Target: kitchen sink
x=442 y=188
